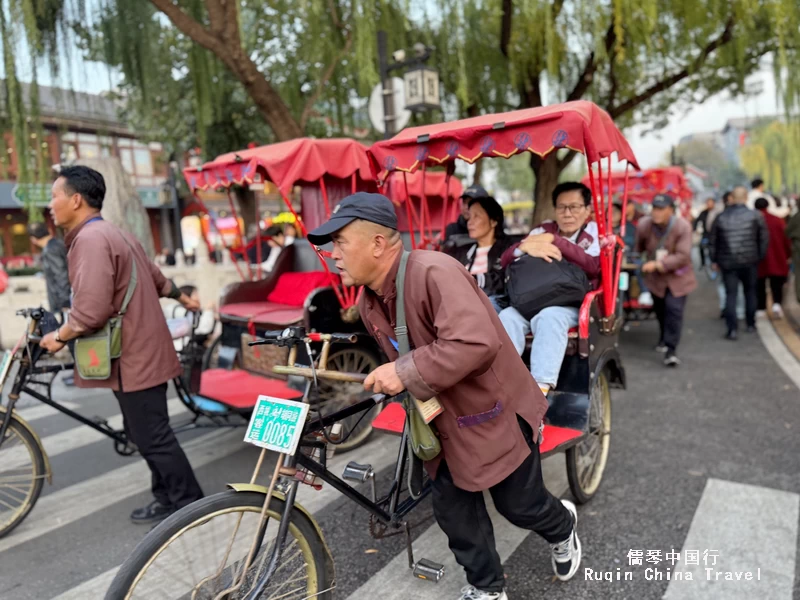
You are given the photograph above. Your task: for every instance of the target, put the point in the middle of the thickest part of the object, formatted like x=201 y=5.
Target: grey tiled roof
x=65 y=104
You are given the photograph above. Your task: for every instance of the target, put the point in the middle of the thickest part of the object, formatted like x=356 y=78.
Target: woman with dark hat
x=482 y=258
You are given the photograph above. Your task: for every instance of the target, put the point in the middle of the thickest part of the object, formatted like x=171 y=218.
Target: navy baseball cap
x=663 y=201
x=374 y=208
x=474 y=191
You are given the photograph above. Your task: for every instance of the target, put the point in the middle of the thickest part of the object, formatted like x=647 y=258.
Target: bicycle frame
x=389 y=509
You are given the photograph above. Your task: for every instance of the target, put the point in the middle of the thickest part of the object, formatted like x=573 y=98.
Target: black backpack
x=533 y=284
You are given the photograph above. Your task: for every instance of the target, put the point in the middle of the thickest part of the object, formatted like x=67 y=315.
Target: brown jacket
x=679 y=273
x=99 y=270
x=462 y=355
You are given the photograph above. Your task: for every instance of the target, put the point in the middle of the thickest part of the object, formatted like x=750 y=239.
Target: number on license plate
x=277 y=424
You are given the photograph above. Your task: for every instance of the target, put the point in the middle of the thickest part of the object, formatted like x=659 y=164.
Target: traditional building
x=81 y=125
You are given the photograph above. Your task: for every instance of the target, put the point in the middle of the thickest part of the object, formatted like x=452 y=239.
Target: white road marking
x=380 y=452
x=71 y=439
x=753 y=530
x=80 y=500
x=780 y=353
x=40 y=410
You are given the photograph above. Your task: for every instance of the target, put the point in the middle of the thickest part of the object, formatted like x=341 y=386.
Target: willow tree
x=643 y=61
x=773 y=154
x=37 y=30
x=295 y=65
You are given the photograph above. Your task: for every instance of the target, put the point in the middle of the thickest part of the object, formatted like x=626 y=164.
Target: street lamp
x=421 y=82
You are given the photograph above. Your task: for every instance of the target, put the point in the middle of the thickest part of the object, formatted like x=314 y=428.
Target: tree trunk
x=122 y=205
x=546 y=173
x=269 y=103
x=246 y=205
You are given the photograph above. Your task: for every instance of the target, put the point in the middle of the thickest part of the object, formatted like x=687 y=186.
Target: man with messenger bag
x=447 y=346
x=122 y=341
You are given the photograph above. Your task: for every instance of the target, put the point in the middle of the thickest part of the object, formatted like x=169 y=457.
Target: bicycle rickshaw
x=642 y=187
x=24 y=463
x=224 y=547
x=301 y=289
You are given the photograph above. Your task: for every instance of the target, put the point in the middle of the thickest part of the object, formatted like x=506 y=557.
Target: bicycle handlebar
x=290 y=337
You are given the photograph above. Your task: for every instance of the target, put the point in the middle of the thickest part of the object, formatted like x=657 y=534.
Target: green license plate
x=5 y=366
x=277 y=424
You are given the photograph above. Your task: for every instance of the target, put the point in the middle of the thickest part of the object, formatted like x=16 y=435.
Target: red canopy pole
x=353 y=183
x=258 y=235
x=425 y=209
x=409 y=210
x=241 y=235
x=609 y=209
x=445 y=206
x=331 y=278
x=214 y=224
x=624 y=221
x=324 y=191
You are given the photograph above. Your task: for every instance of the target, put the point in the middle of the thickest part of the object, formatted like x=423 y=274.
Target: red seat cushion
x=555 y=436
x=392 y=420
x=280 y=314
x=293 y=288
x=243 y=310
x=240 y=389
x=264 y=312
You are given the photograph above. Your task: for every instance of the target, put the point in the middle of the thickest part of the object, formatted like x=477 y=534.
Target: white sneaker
x=777 y=311
x=472 y=593
x=566 y=555
x=645 y=299
x=759 y=313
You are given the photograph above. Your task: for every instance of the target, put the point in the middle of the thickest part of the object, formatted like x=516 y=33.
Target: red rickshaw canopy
x=580 y=126
x=284 y=164
x=643 y=185
x=437 y=212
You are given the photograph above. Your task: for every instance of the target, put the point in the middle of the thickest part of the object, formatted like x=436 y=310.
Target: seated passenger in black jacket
x=482 y=258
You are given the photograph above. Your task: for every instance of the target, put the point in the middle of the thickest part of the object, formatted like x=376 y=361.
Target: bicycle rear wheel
x=200 y=551
x=22 y=473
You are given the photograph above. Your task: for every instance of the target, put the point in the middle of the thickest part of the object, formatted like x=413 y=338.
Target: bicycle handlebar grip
x=34 y=339
x=269 y=337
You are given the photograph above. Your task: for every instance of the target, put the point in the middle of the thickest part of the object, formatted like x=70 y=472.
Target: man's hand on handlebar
x=188 y=303
x=49 y=343
x=384 y=380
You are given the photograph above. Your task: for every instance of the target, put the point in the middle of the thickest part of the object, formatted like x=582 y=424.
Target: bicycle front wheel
x=22 y=473
x=200 y=552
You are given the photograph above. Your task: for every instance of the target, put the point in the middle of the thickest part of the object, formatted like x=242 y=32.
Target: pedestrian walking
x=702 y=221
x=489 y=430
x=113 y=281
x=774 y=268
x=665 y=239
x=738 y=242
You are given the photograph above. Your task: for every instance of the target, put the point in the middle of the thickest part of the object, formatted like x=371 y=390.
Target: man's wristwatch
x=58 y=336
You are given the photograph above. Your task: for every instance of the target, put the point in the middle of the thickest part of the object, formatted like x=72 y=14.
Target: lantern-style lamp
x=422 y=88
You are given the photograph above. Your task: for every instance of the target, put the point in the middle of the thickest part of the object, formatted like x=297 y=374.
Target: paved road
x=703 y=458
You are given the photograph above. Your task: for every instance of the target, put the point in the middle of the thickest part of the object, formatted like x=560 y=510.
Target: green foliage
x=773 y=154
x=708 y=157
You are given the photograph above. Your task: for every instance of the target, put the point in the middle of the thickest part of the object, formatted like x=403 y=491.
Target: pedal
x=357 y=473
x=428 y=570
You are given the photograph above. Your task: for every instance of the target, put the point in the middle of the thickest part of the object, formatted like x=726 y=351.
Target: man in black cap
x=493 y=408
x=666 y=241
x=460 y=226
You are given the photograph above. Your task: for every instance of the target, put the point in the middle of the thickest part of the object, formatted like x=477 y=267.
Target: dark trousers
x=669 y=312
x=521 y=498
x=775 y=284
x=749 y=278
x=147 y=425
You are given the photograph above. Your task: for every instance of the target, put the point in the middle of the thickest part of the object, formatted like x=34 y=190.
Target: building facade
x=79 y=125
